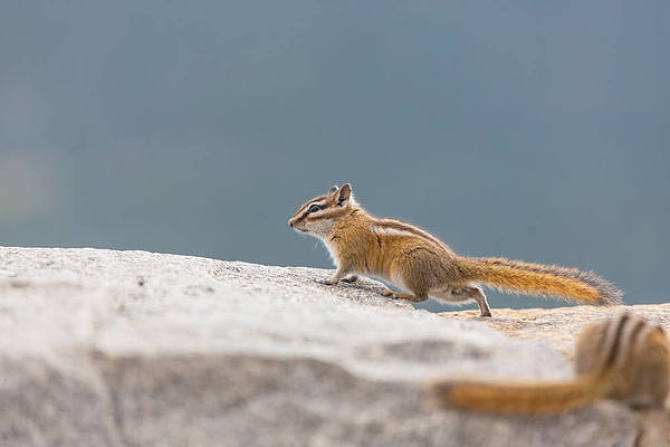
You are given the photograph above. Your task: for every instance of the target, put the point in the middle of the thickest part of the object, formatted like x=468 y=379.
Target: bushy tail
x=548 y=398
x=539 y=279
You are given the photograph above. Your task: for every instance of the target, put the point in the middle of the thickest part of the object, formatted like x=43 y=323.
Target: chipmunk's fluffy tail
x=549 y=398
x=538 y=279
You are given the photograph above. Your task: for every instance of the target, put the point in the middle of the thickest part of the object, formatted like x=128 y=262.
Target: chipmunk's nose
x=290 y=223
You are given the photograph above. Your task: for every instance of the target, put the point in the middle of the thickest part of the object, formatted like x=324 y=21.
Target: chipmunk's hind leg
x=477 y=294
x=410 y=274
x=460 y=294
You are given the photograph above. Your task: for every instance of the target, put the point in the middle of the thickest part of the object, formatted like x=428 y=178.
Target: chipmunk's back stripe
x=614 y=333
x=391 y=231
x=402 y=226
x=603 y=345
x=631 y=340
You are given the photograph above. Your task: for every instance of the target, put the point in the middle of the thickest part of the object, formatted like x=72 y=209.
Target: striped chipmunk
x=423 y=266
x=624 y=358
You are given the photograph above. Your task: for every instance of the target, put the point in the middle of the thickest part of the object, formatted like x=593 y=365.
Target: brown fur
x=421 y=264
x=561 y=282
x=623 y=358
x=520 y=398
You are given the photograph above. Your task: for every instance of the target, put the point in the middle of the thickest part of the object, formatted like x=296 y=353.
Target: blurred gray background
x=533 y=130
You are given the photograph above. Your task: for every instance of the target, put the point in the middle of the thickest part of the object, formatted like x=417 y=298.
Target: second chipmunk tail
x=529 y=399
x=538 y=279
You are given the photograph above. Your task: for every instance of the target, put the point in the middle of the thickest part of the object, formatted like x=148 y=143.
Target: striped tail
x=542 y=280
x=547 y=398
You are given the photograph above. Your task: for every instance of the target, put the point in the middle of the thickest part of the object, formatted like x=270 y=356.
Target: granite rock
x=130 y=348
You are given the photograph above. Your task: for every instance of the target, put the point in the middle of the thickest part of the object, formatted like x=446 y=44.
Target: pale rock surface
x=129 y=348
x=559 y=327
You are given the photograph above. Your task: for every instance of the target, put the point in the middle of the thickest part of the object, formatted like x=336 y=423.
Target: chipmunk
x=623 y=358
x=421 y=264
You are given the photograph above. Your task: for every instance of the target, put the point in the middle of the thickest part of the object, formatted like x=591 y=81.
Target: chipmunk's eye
x=314 y=208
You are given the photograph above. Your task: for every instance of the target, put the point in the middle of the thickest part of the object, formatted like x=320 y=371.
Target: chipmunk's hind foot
x=461 y=294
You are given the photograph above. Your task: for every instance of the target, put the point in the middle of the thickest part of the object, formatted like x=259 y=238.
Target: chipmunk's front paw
x=327 y=282
x=402 y=296
x=350 y=279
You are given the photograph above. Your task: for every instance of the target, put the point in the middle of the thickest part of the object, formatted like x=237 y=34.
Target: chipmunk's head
x=317 y=216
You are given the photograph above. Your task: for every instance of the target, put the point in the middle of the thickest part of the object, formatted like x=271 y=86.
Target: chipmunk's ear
x=333 y=189
x=344 y=194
